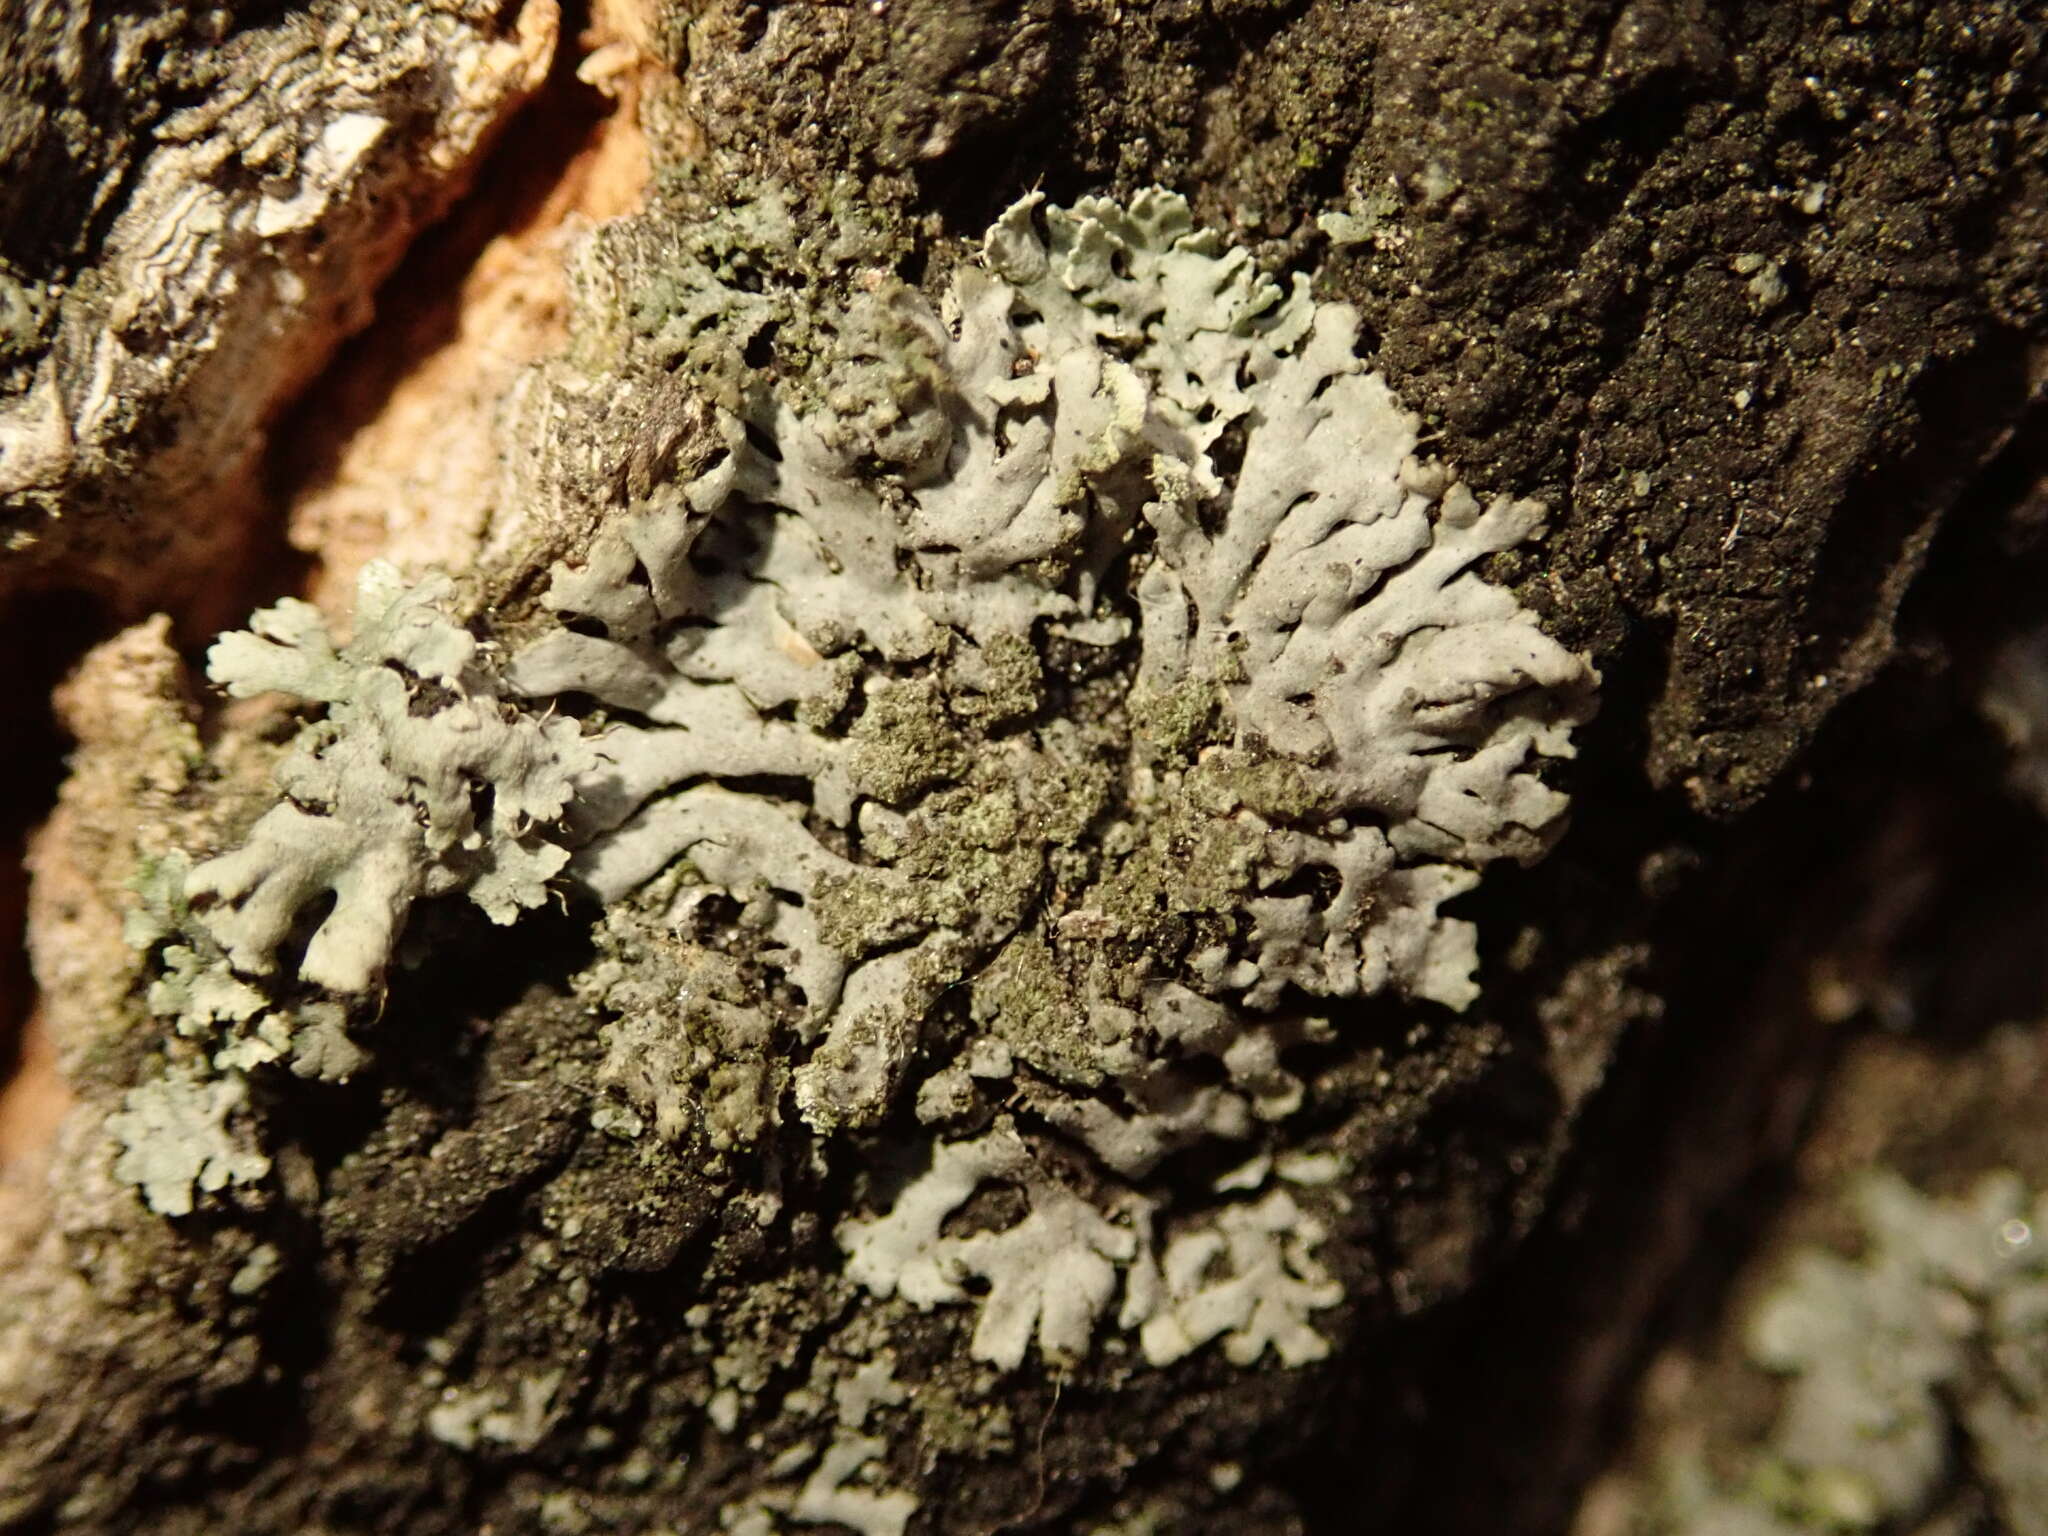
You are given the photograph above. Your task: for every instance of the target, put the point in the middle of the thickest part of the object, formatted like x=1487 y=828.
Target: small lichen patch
x=1048 y=1278
x=1248 y=1276
x=176 y=1142
x=417 y=782
x=1907 y=1371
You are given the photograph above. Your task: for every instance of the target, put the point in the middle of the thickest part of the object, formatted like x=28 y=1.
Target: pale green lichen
x=697 y=293
x=1043 y=711
x=1248 y=1276
x=1912 y=1372
x=416 y=782
x=1046 y=1279
x=192 y=985
x=691 y=1039
x=1074 y=681
x=176 y=1142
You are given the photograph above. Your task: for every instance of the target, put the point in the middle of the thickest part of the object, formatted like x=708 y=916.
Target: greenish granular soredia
x=25 y=312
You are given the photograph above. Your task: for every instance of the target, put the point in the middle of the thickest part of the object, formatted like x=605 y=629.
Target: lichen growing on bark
x=1041 y=720
x=1916 y=1366
x=1073 y=680
x=175 y=1140
x=417 y=782
x=428 y=1224
x=985 y=787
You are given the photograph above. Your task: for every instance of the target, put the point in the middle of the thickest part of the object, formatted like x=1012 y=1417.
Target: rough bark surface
x=1754 y=296
x=199 y=206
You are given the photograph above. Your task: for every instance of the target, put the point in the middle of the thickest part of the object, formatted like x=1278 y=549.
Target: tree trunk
x=609 y=1218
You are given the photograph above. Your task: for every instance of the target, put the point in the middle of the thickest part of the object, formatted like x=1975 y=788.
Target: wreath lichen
x=1037 y=721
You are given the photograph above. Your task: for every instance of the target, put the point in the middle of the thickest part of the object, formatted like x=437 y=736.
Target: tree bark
x=1754 y=297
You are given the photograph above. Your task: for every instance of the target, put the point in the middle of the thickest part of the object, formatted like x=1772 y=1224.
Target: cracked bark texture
x=199 y=205
x=1751 y=294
